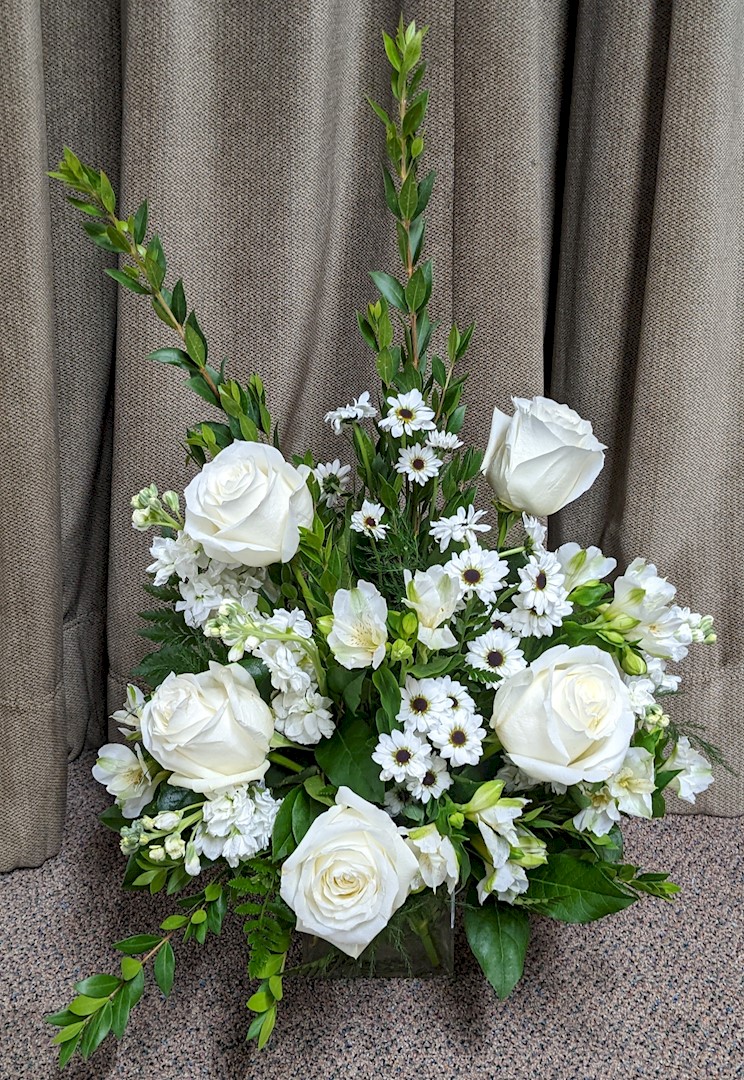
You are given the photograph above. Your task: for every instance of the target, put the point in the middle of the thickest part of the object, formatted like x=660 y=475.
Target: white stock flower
x=478 y=571
x=407 y=413
x=211 y=729
x=418 y=463
x=333 y=479
x=359 y=631
x=290 y=668
x=461 y=527
x=128 y=717
x=541 y=458
x=247 y=505
x=664 y=682
x=237 y=824
x=641 y=691
x=401 y=755
x=175 y=555
x=304 y=717
x=443 y=440
x=437 y=859
x=360 y=409
x=459 y=737
x=423 y=703
x=633 y=784
x=125 y=775
x=565 y=718
x=581 y=565
x=433 y=594
x=433 y=783
x=350 y=872
x=696 y=771
x=369 y=520
x=496 y=651
x=200 y=599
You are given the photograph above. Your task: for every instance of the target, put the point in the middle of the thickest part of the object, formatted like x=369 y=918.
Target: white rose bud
x=247 y=505
x=351 y=871
x=212 y=729
x=541 y=458
x=566 y=718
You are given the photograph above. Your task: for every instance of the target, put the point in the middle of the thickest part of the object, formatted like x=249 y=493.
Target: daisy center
x=458 y=737
x=429 y=779
x=472 y=576
x=541 y=581
x=370 y=522
x=495 y=658
x=402 y=756
x=419 y=704
x=418 y=464
x=405 y=413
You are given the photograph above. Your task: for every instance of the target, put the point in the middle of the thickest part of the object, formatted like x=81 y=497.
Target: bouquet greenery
x=365 y=696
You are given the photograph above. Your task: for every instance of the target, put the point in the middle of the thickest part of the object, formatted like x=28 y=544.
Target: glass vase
x=418 y=942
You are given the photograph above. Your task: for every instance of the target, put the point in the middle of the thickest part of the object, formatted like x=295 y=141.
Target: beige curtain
x=588 y=213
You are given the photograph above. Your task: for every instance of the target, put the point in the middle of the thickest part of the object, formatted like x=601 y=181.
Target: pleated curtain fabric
x=588 y=213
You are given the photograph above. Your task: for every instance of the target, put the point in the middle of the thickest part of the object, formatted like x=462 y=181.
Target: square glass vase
x=418 y=942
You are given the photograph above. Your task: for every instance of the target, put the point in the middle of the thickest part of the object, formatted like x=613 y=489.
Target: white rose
x=541 y=458
x=246 y=506
x=212 y=729
x=359 y=632
x=567 y=717
x=351 y=871
x=433 y=594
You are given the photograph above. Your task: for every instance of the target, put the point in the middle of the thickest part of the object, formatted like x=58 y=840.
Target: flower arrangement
x=369 y=695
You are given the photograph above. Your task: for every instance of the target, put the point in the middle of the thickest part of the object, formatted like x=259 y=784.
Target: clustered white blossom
x=235 y=825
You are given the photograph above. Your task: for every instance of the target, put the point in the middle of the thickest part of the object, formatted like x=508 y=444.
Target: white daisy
x=459 y=738
x=333 y=479
x=407 y=413
x=443 y=440
x=524 y=622
x=542 y=583
x=423 y=704
x=418 y=463
x=496 y=651
x=401 y=755
x=479 y=571
x=458 y=696
x=360 y=409
x=433 y=783
x=369 y=520
x=536 y=531
x=461 y=527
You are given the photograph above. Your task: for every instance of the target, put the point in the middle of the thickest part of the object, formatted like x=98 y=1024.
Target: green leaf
x=416 y=290
x=117 y=240
x=391 y=51
x=195 y=345
x=173 y=922
x=177 y=357
x=424 y=192
x=260 y=1001
x=416 y=237
x=86 y=1006
x=98 y=986
x=348 y=685
x=199 y=916
x=140 y=222
x=165 y=963
x=267 y=1028
x=83 y=205
x=113 y=818
x=178 y=302
x=386 y=366
x=128 y=282
x=62 y=1019
x=408 y=198
x=391 y=197
x=119 y=1014
x=498 y=935
x=107 y=192
x=346 y=759
x=366 y=331
x=575 y=891
x=133 y=990
x=67 y=1050
x=68 y=1032
x=96 y=1030
x=304 y=812
x=138 y=943
x=415 y=115
x=282 y=838
x=130 y=967
x=379 y=112
x=170 y=797
x=213 y=891
x=390 y=288
x=389 y=691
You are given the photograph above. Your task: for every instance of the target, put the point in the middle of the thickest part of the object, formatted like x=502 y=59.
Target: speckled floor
x=655 y=992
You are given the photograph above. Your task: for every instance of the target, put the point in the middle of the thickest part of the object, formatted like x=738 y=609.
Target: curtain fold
x=587 y=214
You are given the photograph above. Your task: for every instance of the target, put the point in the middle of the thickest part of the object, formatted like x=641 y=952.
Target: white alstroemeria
x=443 y=440
x=360 y=409
x=407 y=413
x=304 y=717
x=433 y=783
x=499 y=818
x=507 y=882
x=369 y=520
x=333 y=480
x=459 y=738
x=496 y=651
x=128 y=717
x=633 y=784
x=696 y=771
x=418 y=463
x=423 y=704
x=125 y=775
x=660 y=628
x=536 y=531
x=433 y=594
x=237 y=824
x=461 y=527
x=436 y=856
x=175 y=555
x=581 y=565
x=541 y=584
x=530 y=851
x=359 y=633
x=479 y=571
x=600 y=815
x=401 y=755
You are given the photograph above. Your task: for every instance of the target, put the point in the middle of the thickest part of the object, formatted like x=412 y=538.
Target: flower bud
x=165 y=821
x=409 y=624
x=457 y=820
x=531 y=852
x=148 y=822
x=400 y=650
x=171 y=500
x=325 y=624
x=156 y=853
x=622 y=623
x=141 y=520
x=487 y=795
x=174 y=846
x=191 y=863
x=632 y=663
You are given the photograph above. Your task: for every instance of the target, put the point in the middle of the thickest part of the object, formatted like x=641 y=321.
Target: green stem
x=423 y=931
x=280 y=759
